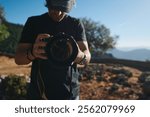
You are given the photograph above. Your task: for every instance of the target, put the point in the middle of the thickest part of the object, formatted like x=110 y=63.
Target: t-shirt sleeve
x=80 y=32
x=28 y=33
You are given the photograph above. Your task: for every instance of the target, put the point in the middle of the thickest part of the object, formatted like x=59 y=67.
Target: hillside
x=136 y=54
x=97 y=81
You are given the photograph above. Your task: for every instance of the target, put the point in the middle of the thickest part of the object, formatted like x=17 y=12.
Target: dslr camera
x=61 y=49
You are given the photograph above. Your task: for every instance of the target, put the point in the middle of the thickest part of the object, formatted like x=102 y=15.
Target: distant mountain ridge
x=137 y=54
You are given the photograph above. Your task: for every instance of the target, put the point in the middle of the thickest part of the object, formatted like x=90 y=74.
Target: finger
x=41 y=36
x=42 y=56
x=40 y=44
x=41 y=51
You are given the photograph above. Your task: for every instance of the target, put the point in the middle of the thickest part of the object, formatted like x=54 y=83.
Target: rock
x=144 y=76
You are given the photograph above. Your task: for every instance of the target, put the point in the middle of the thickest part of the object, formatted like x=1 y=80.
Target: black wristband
x=83 y=61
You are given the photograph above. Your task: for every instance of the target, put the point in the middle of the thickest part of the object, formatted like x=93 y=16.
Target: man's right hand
x=38 y=51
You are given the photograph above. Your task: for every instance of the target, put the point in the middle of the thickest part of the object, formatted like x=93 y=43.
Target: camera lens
x=61 y=50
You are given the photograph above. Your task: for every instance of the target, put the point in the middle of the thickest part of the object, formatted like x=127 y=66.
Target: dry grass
x=8 y=66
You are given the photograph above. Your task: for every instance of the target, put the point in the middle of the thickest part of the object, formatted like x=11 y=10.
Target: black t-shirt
x=44 y=24
x=56 y=82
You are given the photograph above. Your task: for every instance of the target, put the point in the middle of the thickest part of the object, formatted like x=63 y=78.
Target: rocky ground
x=98 y=81
x=111 y=82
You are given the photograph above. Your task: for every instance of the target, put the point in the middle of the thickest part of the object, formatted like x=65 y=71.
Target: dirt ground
x=89 y=89
x=8 y=66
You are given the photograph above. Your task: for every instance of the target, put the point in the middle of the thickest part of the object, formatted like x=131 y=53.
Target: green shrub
x=13 y=87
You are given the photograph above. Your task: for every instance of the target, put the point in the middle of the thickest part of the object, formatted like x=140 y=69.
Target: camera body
x=61 y=50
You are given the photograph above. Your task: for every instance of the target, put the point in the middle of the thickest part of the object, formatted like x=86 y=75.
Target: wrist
x=31 y=51
x=30 y=55
x=83 y=60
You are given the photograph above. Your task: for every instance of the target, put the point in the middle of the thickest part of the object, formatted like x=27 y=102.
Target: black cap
x=62 y=5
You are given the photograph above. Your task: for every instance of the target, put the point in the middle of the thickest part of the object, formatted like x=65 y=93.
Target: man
x=48 y=82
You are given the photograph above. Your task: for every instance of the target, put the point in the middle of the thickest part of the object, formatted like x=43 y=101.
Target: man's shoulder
x=73 y=19
x=38 y=17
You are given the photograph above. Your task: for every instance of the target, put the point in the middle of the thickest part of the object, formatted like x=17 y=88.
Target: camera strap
x=40 y=84
x=70 y=78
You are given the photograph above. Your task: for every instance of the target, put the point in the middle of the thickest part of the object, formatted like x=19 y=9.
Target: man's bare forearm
x=21 y=56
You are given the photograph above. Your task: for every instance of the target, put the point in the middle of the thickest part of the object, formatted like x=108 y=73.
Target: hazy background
x=130 y=19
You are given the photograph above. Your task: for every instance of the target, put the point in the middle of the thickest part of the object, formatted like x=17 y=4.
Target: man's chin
x=57 y=19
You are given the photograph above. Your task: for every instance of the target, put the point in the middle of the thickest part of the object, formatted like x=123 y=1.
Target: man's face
x=56 y=15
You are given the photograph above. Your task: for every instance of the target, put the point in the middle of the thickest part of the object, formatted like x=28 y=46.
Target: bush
x=13 y=87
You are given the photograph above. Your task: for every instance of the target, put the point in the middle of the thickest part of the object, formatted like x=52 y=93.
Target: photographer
x=48 y=81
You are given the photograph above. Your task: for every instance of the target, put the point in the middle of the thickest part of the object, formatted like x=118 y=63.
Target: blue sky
x=130 y=19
